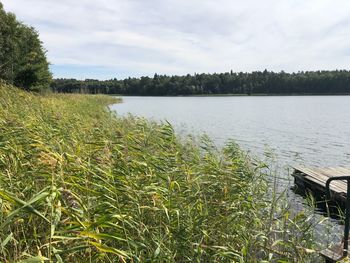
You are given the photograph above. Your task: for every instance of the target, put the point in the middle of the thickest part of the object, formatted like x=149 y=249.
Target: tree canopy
x=265 y=82
x=23 y=60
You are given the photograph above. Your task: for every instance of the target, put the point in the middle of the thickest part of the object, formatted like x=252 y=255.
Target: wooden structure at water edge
x=315 y=179
x=332 y=183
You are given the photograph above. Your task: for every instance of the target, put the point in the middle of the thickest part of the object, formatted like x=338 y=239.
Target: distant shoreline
x=259 y=83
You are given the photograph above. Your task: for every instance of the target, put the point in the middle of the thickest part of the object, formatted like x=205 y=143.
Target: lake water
x=299 y=130
x=296 y=130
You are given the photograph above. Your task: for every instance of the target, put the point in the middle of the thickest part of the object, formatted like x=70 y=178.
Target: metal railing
x=347 y=208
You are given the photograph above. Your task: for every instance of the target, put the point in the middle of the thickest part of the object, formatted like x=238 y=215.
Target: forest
x=257 y=82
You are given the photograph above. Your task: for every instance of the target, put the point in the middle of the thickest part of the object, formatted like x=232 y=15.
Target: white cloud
x=180 y=37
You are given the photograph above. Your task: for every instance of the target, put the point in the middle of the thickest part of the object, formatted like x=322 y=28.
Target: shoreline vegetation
x=81 y=184
x=23 y=61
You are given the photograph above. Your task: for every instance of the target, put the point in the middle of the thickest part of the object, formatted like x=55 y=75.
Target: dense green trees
x=22 y=57
x=266 y=82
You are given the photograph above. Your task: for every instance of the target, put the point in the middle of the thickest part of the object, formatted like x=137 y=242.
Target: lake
x=296 y=130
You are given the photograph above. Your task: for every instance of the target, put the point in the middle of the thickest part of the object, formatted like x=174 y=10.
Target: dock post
x=347 y=221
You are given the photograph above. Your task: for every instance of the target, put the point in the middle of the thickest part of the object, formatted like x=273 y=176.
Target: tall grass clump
x=78 y=184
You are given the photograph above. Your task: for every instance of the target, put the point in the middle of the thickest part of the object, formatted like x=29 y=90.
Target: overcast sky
x=120 y=38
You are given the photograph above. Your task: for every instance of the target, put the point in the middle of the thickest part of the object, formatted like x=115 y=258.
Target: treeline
x=266 y=82
x=23 y=60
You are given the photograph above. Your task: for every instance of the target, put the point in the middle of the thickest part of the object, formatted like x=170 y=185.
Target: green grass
x=78 y=184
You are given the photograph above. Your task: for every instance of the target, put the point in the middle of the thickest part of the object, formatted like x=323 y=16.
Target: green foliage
x=22 y=57
x=78 y=184
x=317 y=82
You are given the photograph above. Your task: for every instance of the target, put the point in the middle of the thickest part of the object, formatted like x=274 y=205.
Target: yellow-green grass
x=79 y=184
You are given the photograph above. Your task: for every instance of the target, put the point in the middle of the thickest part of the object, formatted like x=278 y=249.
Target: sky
x=103 y=39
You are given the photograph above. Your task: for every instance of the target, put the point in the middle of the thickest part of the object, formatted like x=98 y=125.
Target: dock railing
x=347 y=211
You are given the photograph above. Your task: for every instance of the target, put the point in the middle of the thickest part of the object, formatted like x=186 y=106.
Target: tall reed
x=79 y=184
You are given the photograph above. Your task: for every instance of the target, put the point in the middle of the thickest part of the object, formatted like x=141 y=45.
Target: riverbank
x=81 y=184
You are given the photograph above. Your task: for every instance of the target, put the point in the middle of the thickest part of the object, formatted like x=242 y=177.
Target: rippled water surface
x=300 y=130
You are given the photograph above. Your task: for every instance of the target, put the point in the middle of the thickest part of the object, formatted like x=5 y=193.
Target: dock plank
x=320 y=176
x=316 y=178
x=323 y=174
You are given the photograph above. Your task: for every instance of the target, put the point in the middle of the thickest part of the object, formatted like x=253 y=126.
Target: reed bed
x=79 y=184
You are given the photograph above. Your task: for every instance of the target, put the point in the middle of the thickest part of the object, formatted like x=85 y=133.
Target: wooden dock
x=315 y=180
